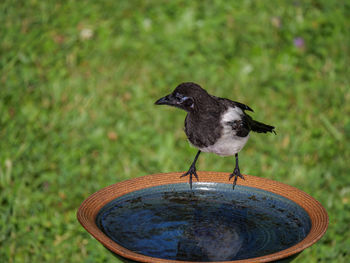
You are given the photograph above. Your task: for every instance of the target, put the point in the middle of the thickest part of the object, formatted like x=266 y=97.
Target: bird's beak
x=167 y=100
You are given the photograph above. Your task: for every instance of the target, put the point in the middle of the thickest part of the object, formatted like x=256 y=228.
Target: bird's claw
x=236 y=173
x=192 y=171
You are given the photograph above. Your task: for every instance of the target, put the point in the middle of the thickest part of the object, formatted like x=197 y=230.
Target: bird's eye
x=187 y=102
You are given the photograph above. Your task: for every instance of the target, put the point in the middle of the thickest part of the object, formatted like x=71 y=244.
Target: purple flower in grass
x=299 y=42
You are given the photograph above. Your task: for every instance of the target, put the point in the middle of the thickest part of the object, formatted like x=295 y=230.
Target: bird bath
x=157 y=218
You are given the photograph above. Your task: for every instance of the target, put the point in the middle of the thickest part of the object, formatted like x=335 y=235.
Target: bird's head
x=186 y=96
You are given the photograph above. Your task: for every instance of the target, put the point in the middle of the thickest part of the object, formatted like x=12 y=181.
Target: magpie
x=213 y=124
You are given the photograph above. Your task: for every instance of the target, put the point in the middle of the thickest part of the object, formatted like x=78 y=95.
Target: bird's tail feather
x=261 y=127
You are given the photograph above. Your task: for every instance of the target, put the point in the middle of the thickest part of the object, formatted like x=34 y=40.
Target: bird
x=213 y=124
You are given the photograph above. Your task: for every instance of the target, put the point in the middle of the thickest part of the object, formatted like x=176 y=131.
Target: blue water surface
x=212 y=222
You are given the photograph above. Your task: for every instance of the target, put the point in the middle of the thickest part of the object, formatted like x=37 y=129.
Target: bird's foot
x=191 y=172
x=236 y=173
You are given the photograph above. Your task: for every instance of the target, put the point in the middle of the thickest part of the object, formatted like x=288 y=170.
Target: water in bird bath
x=210 y=223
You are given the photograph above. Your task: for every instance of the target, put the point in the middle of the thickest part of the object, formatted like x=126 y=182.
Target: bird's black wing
x=242 y=106
x=241 y=126
x=232 y=103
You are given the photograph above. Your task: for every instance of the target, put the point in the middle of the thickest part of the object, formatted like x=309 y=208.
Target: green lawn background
x=77 y=86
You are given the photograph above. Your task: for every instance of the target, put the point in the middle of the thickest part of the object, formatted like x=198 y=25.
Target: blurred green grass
x=78 y=83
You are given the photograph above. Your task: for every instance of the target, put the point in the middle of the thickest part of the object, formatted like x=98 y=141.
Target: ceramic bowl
x=158 y=218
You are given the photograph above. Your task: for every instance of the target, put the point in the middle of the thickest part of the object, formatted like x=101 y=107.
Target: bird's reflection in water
x=210 y=242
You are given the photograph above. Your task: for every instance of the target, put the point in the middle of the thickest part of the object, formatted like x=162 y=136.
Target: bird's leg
x=236 y=173
x=192 y=170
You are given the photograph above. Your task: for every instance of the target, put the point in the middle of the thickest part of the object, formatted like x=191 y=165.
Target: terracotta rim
x=89 y=209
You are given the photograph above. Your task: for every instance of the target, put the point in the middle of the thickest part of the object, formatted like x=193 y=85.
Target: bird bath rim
x=90 y=208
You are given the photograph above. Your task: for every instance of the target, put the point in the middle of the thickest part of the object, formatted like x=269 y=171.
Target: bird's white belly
x=227 y=145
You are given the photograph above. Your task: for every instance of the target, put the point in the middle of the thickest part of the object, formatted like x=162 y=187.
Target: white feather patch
x=228 y=144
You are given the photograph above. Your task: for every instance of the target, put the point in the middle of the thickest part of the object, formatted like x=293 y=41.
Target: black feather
x=261 y=127
x=243 y=106
x=242 y=127
x=232 y=103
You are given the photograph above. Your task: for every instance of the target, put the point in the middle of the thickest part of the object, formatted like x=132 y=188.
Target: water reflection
x=209 y=243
